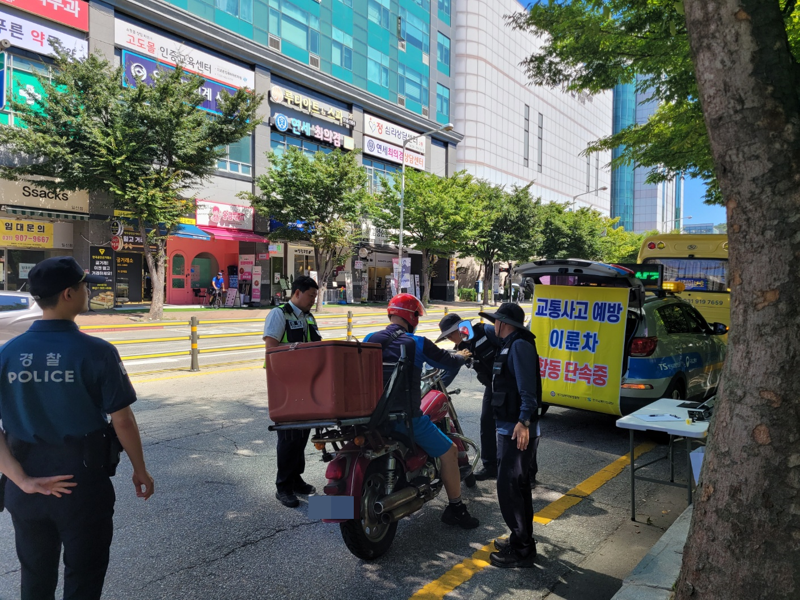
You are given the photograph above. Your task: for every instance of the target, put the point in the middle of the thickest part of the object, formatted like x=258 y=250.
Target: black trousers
x=81 y=522
x=488 y=432
x=514 y=492
x=291 y=457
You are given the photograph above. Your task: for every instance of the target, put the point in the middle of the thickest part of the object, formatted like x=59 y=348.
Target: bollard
x=349 y=325
x=481 y=311
x=446 y=310
x=195 y=352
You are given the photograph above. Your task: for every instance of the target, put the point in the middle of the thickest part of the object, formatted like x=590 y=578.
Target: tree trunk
x=323 y=262
x=155 y=265
x=744 y=540
x=488 y=279
x=426 y=277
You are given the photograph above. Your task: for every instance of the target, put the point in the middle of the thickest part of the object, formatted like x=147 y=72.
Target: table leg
x=671 y=460
x=689 y=467
x=633 y=483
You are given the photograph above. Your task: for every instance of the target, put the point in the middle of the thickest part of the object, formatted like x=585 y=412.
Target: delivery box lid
x=323 y=344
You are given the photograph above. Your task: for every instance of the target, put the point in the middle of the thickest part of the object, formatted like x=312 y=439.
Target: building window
x=378 y=12
x=415 y=31
x=347 y=3
x=526 y=137
x=443 y=53
x=280 y=142
x=238 y=157
x=444 y=7
x=294 y=25
x=342 y=49
x=376 y=171
x=412 y=85
x=424 y=4
x=378 y=67
x=238 y=8
x=442 y=104
x=596 y=174
x=540 y=135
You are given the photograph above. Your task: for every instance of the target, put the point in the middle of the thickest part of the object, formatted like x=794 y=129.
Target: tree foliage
x=319 y=199
x=148 y=146
x=571 y=234
x=618 y=245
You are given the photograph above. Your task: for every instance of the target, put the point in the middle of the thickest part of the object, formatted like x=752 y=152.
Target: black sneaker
x=288 y=499
x=510 y=558
x=486 y=474
x=501 y=543
x=457 y=514
x=301 y=487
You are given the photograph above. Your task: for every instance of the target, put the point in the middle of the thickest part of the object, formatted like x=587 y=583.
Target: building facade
x=641 y=206
x=516 y=133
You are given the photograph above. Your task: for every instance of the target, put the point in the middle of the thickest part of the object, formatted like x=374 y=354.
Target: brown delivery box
x=323 y=380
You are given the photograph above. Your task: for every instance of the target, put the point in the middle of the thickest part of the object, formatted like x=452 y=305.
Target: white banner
x=171 y=51
x=394 y=134
x=32 y=35
x=393 y=153
x=213 y=214
x=255 y=295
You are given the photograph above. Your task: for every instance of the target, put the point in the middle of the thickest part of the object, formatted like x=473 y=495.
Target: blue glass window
x=347 y=3
x=378 y=67
x=425 y=4
x=294 y=25
x=412 y=85
x=442 y=103
x=279 y=142
x=378 y=12
x=444 y=7
x=342 y=49
x=415 y=31
x=443 y=53
x=238 y=158
x=376 y=171
x=238 y=8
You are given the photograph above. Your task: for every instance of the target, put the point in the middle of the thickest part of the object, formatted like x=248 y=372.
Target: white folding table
x=677 y=430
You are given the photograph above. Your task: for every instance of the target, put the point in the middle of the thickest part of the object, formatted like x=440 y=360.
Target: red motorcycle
x=384 y=475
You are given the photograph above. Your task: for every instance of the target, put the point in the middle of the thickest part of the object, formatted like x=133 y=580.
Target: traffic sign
x=116 y=243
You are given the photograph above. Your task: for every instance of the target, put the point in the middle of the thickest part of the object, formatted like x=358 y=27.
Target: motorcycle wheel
x=368 y=538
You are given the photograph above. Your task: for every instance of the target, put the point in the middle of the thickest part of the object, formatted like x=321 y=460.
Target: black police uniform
x=57 y=386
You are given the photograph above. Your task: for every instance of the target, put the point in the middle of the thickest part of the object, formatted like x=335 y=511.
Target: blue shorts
x=429 y=437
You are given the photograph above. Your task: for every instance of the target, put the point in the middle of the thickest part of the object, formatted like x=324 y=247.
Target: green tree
x=509 y=228
x=571 y=234
x=592 y=45
x=319 y=199
x=440 y=215
x=618 y=245
x=148 y=146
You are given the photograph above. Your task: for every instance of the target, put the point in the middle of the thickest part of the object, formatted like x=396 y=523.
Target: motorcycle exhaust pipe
x=402 y=511
x=392 y=501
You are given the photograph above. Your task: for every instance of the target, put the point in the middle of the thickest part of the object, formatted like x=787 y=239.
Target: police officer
x=483 y=347
x=290 y=323
x=516 y=393
x=57 y=386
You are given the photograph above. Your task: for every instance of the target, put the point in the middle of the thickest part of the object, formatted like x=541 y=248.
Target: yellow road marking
x=463 y=572
x=195 y=374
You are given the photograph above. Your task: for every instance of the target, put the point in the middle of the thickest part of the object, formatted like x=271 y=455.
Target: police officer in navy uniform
x=516 y=394
x=57 y=387
x=483 y=347
x=288 y=324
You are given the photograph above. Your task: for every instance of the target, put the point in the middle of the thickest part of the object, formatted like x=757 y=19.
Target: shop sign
x=310 y=106
x=148 y=70
x=24 y=269
x=72 y=13
x=394 y=134
x=276 y=249
x=246 y=262
x=101 y=262
x=228 y=216
x=32 y=36
x=393 y=153
x=283 y=124
x=358 y=265
x=303 y=251
x=27 y=193
x=452 y=269
x=26 y=234
x=132 y=240
x=374 y=235
x=255 y=293
x=263 y=256
x=172 y=52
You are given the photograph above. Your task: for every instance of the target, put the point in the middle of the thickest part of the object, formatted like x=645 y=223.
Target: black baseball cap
x=509 y=313
x=56 y=274
x=449 y=324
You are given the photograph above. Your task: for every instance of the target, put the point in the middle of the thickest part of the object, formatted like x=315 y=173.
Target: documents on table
x=659 y=417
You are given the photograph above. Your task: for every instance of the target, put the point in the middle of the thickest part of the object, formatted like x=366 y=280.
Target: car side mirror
x=719 y=328
x=466 y=331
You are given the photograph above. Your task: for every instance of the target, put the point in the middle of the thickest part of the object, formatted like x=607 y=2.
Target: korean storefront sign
x=246 y=262
x=35 y=37
x=255 y=294
x=580 y=336
x=394 y=134
x=283 y=124
x=393 y=153
x=72 y=13
x=101 y=262
x=213 y=214
x=147 y=69
x=310 y=106
x=171 y=51
x=26 y=234
x=27 y=193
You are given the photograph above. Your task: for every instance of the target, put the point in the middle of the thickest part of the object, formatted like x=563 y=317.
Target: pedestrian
x=516 y=394
x=483 y=347
x=57 y=388
x=218 y=288
x=291 y=323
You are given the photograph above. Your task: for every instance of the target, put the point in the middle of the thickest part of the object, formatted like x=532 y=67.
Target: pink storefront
x=196 y=253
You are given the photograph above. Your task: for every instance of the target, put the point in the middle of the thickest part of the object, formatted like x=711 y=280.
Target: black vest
x=506 y=400
x=294 y=331
x=483 y=353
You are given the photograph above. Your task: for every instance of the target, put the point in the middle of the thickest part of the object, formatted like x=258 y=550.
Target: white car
x=17 y=311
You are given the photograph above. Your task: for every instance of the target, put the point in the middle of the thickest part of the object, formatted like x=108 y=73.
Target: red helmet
x=408 y=308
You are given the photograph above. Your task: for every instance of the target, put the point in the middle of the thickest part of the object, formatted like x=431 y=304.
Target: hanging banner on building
x=27 y=193
x=255 y=294
x=452 y=269
x=229 y=216
x=418 y=292
x=26 y=234
x=171 y=51
x=147 y=70
x=101 y=262
x=246 y=263
x=393 y=153
x=298 y=127
x=394 y=134
x=35 y=37
x=72 y=13
x=310 y=106
x=405 y=273
x=580 y=334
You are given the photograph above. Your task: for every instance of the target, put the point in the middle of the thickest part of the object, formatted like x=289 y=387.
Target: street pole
x=600 y=189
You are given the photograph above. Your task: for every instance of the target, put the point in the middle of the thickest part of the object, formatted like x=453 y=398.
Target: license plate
x=331 y=507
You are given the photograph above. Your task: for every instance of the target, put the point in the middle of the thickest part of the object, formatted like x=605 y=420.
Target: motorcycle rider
x=483 y=347
x=404 y=313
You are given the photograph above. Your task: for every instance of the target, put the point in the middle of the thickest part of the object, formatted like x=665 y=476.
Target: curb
x=655 y=576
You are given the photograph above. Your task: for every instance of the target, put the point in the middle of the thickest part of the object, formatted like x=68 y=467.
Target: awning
x=48 y=214
x=190 y=231
x=220 y=233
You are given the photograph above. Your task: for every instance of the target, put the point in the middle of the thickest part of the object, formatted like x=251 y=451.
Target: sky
x=693 y=191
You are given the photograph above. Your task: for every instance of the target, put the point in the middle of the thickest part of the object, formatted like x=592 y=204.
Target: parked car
x=17 y=311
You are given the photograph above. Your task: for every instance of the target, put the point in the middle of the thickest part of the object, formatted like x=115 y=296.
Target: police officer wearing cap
x=57 y=388
x=516 y=393
x=288 y=324
x=483 y=347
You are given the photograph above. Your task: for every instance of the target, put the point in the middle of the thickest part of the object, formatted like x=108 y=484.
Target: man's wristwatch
x=526 y=423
